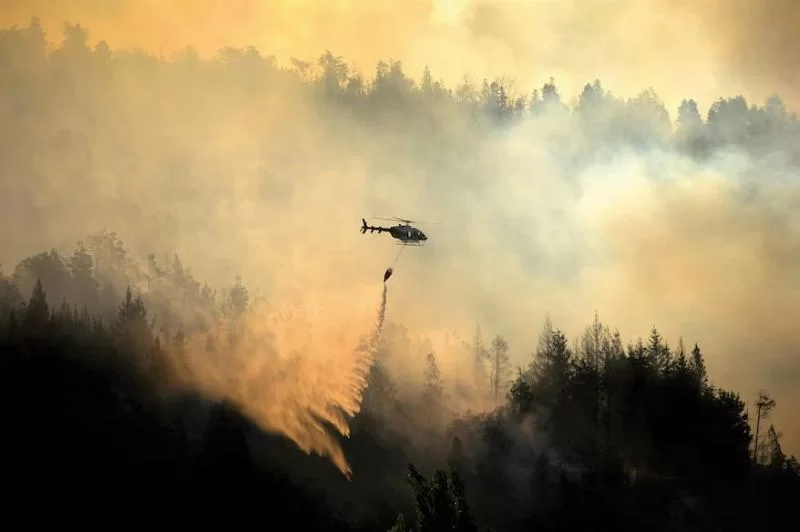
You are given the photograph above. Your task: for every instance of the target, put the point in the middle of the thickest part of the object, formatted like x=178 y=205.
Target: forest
x=98 y=336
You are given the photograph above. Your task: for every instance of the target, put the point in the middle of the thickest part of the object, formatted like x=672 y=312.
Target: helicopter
x=404 y=232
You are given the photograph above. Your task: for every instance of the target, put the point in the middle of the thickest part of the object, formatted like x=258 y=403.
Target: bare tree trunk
x=764 y=404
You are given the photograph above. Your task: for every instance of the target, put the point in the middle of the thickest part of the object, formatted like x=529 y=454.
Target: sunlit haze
x=564 y=158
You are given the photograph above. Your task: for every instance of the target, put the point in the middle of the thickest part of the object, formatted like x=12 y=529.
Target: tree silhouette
x=434 y=389
x=500 y=366
x=764 y=405
x=238 y=298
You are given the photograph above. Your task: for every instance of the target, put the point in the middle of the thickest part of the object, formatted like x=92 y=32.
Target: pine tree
x=238 y=298
x=480 y=354
x=85 y=288
x=37 y=312
x=681 y=363
x=131 y=330
x=499 y=365
x=434 y=389
x=658 y=352
x=697 y=368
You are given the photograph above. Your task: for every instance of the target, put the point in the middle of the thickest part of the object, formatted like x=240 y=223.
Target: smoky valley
x=593 y=326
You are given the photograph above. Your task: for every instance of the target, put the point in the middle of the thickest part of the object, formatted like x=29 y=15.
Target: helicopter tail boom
x=370 y=228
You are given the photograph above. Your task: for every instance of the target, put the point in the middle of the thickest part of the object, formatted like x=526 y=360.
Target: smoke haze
x=243 y=172
x=709 y=48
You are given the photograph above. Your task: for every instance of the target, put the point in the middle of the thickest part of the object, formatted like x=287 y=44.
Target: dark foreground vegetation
x=632 y=437
x=593 y=434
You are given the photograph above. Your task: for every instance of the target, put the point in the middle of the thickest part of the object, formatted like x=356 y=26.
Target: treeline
x=95 y=276
x=38 y=79
x=630 y=435
x=634 y=436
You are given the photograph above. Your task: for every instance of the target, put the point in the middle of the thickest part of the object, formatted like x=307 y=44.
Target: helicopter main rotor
x=407 y=222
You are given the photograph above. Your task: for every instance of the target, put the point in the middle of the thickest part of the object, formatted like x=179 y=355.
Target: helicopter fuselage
x=405 y=233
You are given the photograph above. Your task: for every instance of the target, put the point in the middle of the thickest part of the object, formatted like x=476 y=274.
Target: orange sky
x=703 y=49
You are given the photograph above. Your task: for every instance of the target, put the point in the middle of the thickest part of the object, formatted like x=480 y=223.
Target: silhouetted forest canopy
x=594 y=431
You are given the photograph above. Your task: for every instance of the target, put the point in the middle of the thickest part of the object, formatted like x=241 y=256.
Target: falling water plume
x=292 y=370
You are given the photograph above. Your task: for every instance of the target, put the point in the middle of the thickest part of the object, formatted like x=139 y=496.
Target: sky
x=703 y=49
